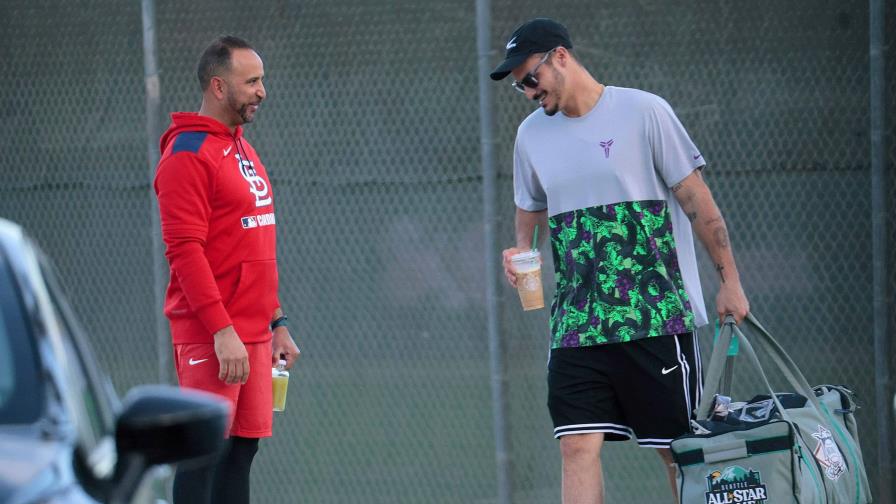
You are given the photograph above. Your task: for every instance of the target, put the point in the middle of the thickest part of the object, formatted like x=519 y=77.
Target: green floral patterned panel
x=617 y=275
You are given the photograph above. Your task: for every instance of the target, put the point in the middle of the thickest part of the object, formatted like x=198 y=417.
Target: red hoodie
x=217 y=213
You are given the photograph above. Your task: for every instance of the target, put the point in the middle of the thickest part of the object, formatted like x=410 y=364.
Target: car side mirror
x=164 y=424
x=161 y=424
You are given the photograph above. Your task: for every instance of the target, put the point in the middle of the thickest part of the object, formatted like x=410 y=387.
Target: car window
x=86 y=380
x=21 y=396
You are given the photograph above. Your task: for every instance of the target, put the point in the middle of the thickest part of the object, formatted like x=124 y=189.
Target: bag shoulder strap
x=717 y=364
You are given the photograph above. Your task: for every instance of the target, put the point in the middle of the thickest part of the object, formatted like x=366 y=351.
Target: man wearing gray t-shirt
x=617 y=180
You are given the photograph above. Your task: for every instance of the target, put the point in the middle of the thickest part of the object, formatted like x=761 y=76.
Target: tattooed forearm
x=721 y=236
x=719 y=231
x=721 y=270
x=688 y=203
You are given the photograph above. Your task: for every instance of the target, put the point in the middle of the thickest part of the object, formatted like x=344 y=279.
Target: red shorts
x=251 y=404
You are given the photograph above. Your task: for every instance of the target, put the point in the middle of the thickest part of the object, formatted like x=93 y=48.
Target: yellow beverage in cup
x=280 y=379
x=527 y=266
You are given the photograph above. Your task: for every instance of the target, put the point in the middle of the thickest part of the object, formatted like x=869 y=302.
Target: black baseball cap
x=536 y=36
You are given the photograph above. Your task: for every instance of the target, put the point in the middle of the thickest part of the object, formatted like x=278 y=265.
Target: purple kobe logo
x=606 y=145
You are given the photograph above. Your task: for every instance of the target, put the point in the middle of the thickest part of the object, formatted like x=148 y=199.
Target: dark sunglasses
x=529 y=80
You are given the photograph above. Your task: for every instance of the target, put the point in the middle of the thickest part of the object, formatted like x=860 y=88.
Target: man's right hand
x=508 y=267
x=233 y=360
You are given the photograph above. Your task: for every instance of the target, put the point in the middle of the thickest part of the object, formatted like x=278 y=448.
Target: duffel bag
x=799 y=446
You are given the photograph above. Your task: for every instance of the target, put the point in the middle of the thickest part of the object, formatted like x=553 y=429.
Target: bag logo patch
x=734 y=484
x=828 y=454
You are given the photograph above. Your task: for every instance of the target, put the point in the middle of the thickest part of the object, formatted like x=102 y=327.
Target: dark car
x=65 y=437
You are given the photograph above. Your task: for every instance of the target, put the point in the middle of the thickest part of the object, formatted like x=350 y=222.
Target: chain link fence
x=370 y=135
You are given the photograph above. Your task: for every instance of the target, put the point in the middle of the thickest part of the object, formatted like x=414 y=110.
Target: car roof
x=12 y=237
x=9 y=231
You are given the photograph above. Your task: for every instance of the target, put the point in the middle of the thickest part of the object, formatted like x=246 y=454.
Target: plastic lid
x=525 y=256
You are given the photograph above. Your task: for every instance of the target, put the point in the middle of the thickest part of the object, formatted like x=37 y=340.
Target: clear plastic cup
x=527 y=266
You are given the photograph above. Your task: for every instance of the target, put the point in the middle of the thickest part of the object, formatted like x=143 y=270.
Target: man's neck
x=584 y=95
x=208 y=111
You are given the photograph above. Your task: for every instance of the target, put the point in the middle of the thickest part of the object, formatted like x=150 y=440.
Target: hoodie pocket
x=255 y=297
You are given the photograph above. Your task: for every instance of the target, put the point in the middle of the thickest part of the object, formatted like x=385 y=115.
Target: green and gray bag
x=797 y=447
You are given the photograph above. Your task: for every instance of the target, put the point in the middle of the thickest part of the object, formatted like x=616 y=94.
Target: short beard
x=244 y=114
x=559 y=82
x=241 y=110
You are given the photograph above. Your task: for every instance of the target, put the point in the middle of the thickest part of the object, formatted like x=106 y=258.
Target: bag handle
x=782 y=361
x=718 y=365
x=751 y=355
x=714 y=371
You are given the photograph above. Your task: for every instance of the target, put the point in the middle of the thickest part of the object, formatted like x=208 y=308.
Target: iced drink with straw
x=527 y=266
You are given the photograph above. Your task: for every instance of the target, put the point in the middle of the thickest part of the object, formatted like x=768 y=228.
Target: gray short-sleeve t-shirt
x=623 y=248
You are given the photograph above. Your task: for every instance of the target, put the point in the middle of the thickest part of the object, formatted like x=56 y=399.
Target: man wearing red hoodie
x=217 y=216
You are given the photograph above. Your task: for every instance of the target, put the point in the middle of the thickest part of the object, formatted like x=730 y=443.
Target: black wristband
x=279 y=322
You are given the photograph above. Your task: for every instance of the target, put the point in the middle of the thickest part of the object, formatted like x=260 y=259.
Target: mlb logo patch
x=249 y=222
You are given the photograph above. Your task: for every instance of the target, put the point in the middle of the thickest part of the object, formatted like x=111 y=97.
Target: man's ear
x=218 y=87
x=562 y=55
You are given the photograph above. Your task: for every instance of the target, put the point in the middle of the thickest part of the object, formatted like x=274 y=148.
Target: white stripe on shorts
x=699 y=378
x=685 y=374
x=622 y=430
x=654 y=443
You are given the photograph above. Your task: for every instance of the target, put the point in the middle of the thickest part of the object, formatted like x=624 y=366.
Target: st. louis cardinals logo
x=257 y=185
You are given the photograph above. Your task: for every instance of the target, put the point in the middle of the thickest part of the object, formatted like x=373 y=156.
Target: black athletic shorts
x=647 y=389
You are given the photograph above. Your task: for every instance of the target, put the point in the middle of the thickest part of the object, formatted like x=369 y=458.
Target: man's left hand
x=284 y=347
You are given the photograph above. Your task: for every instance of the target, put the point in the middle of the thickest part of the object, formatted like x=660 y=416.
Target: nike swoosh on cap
x=511 y=44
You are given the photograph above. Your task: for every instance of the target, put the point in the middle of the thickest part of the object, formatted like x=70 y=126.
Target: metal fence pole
x=882 y=386
x=153 y=131
x=489 y=195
